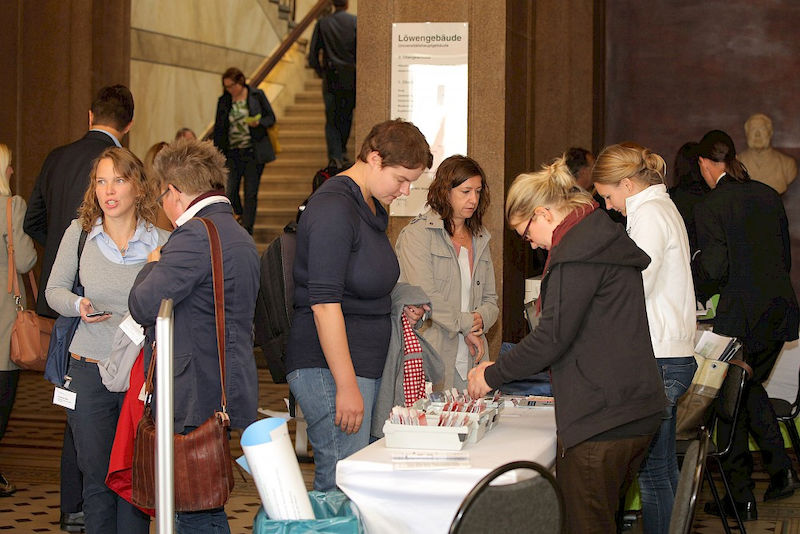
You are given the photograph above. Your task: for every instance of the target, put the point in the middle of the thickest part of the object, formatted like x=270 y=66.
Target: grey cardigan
x=428 y=259
x=390 y=393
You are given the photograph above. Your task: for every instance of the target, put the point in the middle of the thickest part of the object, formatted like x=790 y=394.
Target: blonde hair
x=552 y=187
x=5 y=161
x=131 y=168
x=631 y=161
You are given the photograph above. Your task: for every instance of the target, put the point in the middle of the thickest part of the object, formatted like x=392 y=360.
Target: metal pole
x=165 y=489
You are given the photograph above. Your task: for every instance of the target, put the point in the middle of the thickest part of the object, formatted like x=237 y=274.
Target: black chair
x=689 y=484
x=534 y=505
x=786 y=414
x=725 y=408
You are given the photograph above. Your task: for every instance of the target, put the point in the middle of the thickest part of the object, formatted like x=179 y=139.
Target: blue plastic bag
x=334 y=513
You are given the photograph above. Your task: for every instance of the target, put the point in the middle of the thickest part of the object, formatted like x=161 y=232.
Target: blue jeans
x=205 y=522
x=94 y=424
x=315 y=392
x=658 y=476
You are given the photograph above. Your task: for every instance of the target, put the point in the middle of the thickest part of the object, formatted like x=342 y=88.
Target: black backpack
x=275 y=301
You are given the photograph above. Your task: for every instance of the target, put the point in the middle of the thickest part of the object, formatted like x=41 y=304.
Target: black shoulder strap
x=81 y=244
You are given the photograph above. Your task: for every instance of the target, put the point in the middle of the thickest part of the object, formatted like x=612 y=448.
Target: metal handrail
x=269 y=63
x=165 y=482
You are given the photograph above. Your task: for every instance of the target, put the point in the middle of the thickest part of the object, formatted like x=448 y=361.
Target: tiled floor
x=30 y=451
x=30 y=455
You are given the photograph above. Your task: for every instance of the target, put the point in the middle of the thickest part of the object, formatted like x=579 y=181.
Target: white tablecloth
x=426 y=501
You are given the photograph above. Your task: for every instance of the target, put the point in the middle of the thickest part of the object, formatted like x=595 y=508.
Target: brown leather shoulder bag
x=203 y=472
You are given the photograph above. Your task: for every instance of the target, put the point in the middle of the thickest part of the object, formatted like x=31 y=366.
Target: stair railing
x=269 y=63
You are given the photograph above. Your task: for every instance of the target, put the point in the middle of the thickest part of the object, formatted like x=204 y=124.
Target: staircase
x=286 y=182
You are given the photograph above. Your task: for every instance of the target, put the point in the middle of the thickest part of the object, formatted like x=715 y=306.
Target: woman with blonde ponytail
x=592 y=335
x=631 y=179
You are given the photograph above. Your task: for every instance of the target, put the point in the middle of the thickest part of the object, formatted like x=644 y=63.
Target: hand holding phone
x=98 y=313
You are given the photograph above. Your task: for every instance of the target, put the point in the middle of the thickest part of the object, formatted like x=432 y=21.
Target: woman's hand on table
x=349 y=408
x=475 y=346
x=477 y=386
x=415 y=313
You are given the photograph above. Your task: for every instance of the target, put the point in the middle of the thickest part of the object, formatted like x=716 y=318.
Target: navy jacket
x=55 y=199
x=184 y=274
x=256 y=103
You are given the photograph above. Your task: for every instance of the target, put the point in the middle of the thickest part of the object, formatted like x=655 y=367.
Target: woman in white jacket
x=445 y=251
x=631 y=180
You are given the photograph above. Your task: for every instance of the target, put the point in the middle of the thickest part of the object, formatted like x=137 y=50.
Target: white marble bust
x=763 y=162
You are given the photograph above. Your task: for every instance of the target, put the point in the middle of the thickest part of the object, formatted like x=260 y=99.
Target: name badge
x=64 y=397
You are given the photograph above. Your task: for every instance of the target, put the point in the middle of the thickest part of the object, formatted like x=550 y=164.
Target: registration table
x=426 y=501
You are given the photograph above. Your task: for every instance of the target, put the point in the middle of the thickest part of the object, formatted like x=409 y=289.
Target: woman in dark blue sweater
x=344 y=272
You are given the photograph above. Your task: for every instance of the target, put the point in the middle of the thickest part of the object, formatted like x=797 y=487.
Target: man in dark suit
x=743 y=237
x=193 y=181
x=335 y=37
x=54 y=202
x=64 y=177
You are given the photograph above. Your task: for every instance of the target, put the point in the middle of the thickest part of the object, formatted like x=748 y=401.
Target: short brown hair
x=234 y=74
x=451 y=173
x=192 y=167
x=129 y=167
x=399 y=143
x=113 y=106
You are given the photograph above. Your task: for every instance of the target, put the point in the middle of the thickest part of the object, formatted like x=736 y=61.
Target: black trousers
x=8 y=392
x=339 y=95
x=756 y=418
x=242 y=164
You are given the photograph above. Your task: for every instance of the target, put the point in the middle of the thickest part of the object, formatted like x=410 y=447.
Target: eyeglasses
x=160 y=199
x=524 y=236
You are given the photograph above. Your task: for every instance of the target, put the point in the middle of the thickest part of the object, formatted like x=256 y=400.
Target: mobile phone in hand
x=98 y=313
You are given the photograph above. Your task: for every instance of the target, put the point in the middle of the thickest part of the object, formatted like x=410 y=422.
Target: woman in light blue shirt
x=118 y=214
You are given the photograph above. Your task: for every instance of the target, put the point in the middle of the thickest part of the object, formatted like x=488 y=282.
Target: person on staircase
x=240 y=133
x=332 y=55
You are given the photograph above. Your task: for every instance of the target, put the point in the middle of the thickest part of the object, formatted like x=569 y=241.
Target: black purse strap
x=219 y=313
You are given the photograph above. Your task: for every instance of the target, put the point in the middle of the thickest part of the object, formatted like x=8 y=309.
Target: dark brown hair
x=233 y=74
x=128 y=166
x=450 y=174
x=113 y=106
x=718 y=146
x=399 y=143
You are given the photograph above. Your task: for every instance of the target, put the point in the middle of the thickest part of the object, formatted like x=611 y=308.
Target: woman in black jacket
x=594 y=337
x=240 y=132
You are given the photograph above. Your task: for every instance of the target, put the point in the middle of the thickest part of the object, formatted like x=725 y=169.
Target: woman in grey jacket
x=445 y=251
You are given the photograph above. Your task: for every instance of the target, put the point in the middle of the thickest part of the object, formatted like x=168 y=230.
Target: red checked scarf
x=571 y=220
x=413 y=373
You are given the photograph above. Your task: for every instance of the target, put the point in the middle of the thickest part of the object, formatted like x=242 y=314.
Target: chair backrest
x=533 y=505
x=691 y=479
x=728 y=404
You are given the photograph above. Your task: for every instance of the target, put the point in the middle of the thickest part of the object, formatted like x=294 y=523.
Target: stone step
x=272 y=199
x=308 y=97
x=275 y=216
x=302 y=107
x=313 y=84
x=300 y=146
x=311 y=123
